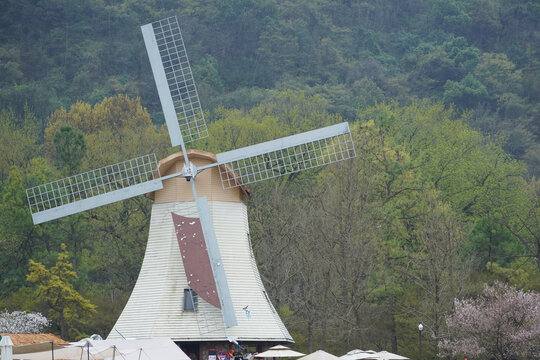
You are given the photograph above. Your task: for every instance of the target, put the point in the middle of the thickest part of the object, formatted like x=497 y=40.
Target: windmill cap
x=167 y=163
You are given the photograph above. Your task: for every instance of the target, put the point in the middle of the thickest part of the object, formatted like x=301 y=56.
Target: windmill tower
x=163 y=304
x=198 y=283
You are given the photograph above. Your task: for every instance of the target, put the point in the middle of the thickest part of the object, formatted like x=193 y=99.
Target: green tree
x=19 y=140
x=467 y=93
x=396 y=194
x=520 y=215
x=465 y=57
x=471 y=172
x=283 y=113
x=70 y=148
x=436 y=266
x=485 y=22
x=19 y=238
x=519 y=273
x=490 y=242
x=111 y=114
x=206 y=72
x=498 y=74
x=452 y=16
x=56 y=292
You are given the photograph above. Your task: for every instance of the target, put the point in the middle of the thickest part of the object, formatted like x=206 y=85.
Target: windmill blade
x=94 y=188
x=215 y=261
x=286 y=155
x=174 y=81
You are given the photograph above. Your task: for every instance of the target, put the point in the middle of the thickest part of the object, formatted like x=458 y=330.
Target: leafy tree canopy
x=55 y=290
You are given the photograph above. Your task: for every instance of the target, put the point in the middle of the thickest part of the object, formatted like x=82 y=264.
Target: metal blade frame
x=214 y=254
x=94 y=188
x=174 y=80
x=286 y=155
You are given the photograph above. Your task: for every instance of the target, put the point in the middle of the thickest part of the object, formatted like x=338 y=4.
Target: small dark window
x=190 y=300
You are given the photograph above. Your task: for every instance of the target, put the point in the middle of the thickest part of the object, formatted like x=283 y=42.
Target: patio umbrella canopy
x=371 y=355
x=358 y=354
x=279 y=351
x=385 y=355
x=319 y=355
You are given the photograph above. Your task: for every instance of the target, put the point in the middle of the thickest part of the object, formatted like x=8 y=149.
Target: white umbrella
x=279 y=351
x=6 y=346
x=319 y=355
x=358 y=354
x=385 y=355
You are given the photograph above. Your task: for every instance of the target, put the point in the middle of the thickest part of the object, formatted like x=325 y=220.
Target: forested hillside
x=443 y=98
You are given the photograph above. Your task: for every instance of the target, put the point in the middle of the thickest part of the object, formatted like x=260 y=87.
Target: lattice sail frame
x=174 y=80
x=94 y=188
x=286 y=155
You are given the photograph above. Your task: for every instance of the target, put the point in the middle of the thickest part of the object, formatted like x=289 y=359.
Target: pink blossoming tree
x=503 y=323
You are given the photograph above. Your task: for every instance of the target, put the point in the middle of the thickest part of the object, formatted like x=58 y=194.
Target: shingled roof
x=27 y=339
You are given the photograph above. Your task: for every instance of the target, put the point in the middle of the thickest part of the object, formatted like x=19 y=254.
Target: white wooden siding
x=155 y=306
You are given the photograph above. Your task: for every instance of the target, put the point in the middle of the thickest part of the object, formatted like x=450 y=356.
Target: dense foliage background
x=443 y=96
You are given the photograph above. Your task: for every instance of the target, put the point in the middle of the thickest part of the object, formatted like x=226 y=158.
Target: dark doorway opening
x=192 y=350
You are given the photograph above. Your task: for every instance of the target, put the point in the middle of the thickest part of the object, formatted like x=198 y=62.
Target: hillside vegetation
x=443 y=100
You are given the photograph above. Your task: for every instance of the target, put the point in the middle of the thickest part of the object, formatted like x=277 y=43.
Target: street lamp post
x=420 y=328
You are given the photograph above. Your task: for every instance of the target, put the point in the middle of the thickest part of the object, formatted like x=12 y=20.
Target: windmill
x=196 y=261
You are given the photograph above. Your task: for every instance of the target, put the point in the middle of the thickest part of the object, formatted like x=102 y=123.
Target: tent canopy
x=371 y=355
x=279 y=351
x=319 y=355
x=144 y=349
x=385 y=355
x=358 y=354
